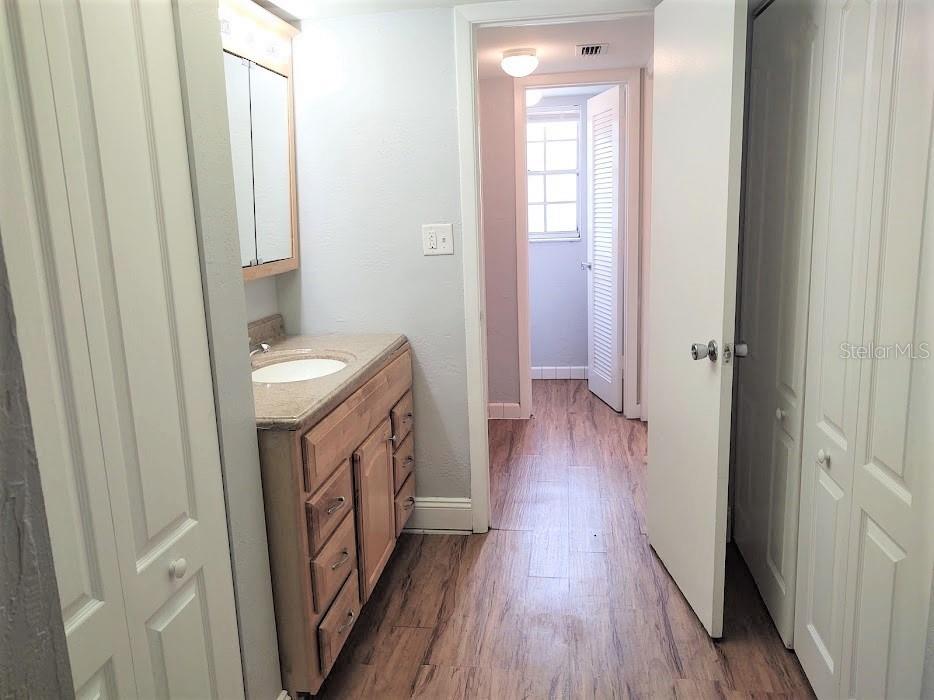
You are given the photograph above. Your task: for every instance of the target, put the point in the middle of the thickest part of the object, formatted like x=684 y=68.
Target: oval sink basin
x=297 y=370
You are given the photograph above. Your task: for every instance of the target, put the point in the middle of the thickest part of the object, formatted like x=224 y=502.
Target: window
x=552 y=160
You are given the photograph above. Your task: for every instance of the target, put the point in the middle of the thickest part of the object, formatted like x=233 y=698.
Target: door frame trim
x=467 y=18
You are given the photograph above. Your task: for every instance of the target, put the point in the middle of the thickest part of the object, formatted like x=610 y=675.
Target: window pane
x=560 y=188
x=536 y=188
x=562 y=217
x=536 y=156
x=535 y=131
x=562 y=155
x=561 y=130
x=536 y=218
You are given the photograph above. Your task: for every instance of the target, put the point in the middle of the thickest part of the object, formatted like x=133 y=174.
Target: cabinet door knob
x=779 y=415
x=823 y=457
x=178 y=568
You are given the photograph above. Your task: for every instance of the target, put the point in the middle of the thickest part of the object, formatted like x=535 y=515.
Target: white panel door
x=47 y=300
x=780 y=168
x=237 y=77
x=696 y=153
x=604 y=247
x=891 y=547
x=849 y=108
x=269 y=110
x=115 y=224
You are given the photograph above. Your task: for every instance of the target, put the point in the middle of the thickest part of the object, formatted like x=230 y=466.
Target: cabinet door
x=376 y=517
x=237 y=73
x=269 y=111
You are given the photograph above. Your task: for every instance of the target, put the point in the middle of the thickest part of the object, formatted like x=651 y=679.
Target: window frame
x=545 y=115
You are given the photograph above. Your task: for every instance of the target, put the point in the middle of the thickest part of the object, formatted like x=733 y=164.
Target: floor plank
x=564 y=598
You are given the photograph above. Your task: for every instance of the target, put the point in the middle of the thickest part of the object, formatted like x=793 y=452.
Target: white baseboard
x=441 y=515
x=559 y=372
x=504 y=410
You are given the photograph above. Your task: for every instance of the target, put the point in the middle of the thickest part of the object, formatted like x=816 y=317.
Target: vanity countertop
x=295 y=405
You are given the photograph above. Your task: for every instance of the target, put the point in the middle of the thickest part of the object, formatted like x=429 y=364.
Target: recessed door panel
x=178 y=648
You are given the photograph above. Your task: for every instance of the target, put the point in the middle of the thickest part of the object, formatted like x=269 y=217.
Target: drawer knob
x=350 y=617
x=409 y=415
x=409 y=461
x=178 y=568
x=779 y=414
x=336 y=505
x=345 y=555
x=409 y=502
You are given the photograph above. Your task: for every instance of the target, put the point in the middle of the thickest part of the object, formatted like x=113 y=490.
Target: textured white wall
x=498 y=186
x=261 y=298
x=376 y=121
x=558 y=303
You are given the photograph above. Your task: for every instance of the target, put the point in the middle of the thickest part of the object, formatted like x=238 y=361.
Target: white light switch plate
x=438 y=239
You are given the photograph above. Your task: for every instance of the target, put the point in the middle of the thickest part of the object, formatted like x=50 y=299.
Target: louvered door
x=604 y=289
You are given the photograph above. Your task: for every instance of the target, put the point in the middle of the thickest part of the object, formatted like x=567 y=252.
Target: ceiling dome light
x=519 y=62
x=533 y=97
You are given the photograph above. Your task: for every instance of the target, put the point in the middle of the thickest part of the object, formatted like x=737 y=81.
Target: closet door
x=853 y=58
x=237 y=74
x=116 y=245
x=269 y=109
x=782 y=146
x=888 y=580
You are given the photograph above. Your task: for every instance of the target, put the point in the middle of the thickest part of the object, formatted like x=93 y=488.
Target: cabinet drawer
x=403 y=461
x=328 y=506
x=336 y=625
x=334 y=563
x=403 y=418
x=332 y=440
x=405 y=504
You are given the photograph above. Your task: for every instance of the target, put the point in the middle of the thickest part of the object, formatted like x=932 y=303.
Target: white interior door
x=865 y=546
x=776 y=262
x=696 y=149
x=106 y=283
x=269 y=110
x=237 y=77
x=605 y=113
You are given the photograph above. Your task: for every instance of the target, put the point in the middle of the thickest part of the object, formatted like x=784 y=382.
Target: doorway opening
x=565 y=168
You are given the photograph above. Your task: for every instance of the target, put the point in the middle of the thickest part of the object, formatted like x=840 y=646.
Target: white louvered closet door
x=604 y=246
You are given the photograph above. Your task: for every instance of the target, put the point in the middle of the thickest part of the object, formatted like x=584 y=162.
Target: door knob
x=779 y=414
x=178 y=568
x=740 y=350
x=823 y=458
x=586 y=266
x=701 y=350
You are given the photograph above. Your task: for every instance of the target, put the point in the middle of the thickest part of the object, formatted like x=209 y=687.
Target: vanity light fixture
x=519 y=62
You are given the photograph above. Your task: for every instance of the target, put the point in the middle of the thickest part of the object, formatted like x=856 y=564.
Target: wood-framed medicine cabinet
x=258 y=72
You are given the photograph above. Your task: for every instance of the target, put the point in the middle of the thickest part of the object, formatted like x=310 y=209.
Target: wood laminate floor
x=564 y=598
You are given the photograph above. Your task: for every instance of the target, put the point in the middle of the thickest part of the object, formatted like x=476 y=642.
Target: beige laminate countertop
x=295 y=405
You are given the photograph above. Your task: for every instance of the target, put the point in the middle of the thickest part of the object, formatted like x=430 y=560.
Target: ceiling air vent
x=591 y=49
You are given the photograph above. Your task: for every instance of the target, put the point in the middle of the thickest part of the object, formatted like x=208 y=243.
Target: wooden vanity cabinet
x=337 y=494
